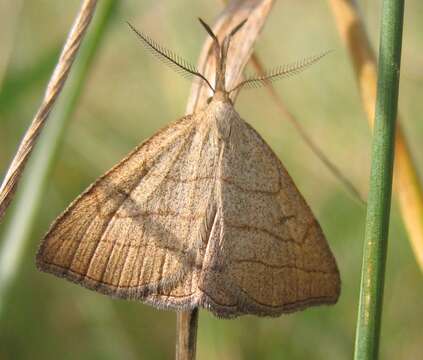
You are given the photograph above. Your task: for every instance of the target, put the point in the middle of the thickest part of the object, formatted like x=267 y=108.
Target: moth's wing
x=271 y=256
x=134 y=232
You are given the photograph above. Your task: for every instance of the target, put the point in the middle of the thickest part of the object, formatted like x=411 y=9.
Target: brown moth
x=201 y=214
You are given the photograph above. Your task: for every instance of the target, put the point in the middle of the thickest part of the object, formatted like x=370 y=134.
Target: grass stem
x=186 y=334
x=379 y=201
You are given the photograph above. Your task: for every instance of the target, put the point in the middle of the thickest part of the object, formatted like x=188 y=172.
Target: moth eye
x=209 y=100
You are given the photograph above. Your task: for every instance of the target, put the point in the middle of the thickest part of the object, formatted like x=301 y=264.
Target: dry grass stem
x=407 y=184
x=53 y=90
x=255 y=61
x=186 y=334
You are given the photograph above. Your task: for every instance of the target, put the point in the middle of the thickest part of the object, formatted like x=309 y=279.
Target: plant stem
x=379 y=201
x=31 y=191
x=53 y=90
x=186 y=334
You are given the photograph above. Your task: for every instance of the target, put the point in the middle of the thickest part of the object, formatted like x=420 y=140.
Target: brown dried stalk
x=186 y=334
x=240 y=52
x=406 y=179
x=53 y=90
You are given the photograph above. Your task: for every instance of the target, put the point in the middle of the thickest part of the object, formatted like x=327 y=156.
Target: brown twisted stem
x=54 y=87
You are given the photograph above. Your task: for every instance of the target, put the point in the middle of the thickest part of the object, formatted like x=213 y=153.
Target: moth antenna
x=169 y=58
x=216 y=48
x=209 y=31
x=226 y=41
x=279 y=72
x=221 y=70
x=236 y=28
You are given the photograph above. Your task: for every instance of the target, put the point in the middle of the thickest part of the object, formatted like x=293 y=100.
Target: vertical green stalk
x=379 y=201
x=30 y=195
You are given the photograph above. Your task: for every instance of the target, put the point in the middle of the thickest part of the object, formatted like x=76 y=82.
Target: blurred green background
x=127 y=96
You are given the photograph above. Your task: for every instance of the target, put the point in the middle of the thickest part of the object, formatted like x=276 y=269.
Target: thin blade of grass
x=407 y=184
x=37 y=174
x=379 y=201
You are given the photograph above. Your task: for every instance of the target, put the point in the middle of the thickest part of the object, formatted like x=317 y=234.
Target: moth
x=202 y=214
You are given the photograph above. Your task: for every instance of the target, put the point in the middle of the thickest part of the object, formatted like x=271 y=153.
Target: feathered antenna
x=169 y=58
x=186 y=69
x=279 y=72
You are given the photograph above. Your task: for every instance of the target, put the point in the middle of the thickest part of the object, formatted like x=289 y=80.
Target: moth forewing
x=268 y=255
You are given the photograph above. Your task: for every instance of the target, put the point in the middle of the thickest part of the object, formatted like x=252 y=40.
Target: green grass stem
x=379 y=201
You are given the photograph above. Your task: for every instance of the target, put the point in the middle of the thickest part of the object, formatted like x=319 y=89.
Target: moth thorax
x=222 y=114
